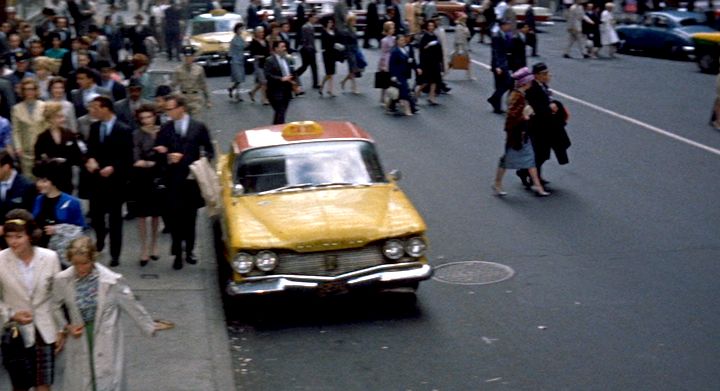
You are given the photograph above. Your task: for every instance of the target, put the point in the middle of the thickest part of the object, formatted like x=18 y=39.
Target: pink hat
x=523 y=76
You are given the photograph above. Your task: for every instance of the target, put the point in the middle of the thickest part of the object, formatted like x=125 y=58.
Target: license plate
x=332 y=288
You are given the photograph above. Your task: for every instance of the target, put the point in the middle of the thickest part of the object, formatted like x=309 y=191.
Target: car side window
x=661 y=22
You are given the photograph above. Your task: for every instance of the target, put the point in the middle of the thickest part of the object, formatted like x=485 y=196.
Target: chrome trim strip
x=408 y=271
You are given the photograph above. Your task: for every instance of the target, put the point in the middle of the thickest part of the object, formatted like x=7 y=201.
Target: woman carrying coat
x=94 y=297
x=27 y=303
x=28 y=122
x=57 y=213
x=518 y=147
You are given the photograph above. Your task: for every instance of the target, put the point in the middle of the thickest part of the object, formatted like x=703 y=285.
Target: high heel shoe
x=499 y=191
x=539 y=191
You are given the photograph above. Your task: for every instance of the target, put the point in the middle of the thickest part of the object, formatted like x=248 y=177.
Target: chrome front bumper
x=379 y=276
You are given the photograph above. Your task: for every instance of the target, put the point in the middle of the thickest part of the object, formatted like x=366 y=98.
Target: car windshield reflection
x=309 y=165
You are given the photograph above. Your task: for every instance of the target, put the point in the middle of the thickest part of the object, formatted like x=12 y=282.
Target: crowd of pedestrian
x=86 y=141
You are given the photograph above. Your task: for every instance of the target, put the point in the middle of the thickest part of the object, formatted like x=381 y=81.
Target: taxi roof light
x=302 y=128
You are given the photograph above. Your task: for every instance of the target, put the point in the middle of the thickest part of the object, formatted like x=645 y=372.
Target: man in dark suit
x=107 y=71
x=125 y=108
x=306 y=44
x=500 y=64
x=109 y=160
x=173 y=17
x=183 y=140
x=280 y=81
x=87 y=91
x=16 y=190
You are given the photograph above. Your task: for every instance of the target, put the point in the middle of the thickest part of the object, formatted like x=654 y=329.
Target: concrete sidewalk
x=195 y=355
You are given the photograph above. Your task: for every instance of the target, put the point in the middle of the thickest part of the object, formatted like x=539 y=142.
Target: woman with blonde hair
x=58 y=143
x=382 y=77
x=608 y=35
x=44 y=68
x=259 y=49
x=58 y=94
x=94 y=297
x=28 y=122
x=350 y=40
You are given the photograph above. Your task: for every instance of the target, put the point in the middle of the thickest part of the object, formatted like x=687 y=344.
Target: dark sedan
x=665 y=33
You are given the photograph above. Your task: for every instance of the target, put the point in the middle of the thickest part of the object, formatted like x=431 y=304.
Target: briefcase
x=460 y=61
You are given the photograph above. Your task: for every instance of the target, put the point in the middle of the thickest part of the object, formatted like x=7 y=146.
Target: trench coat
x=114 y=296
x=27 y=127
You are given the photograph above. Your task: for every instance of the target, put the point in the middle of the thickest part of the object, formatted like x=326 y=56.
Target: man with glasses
x=109 y=161
x=183 y=140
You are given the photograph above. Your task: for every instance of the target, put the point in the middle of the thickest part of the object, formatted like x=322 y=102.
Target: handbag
x=15 y=357
x=382 y=79
x=460 y=61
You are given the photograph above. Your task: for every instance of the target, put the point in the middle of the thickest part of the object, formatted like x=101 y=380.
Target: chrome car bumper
x=379 y=276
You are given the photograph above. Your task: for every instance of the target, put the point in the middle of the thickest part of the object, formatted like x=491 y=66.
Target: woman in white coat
x=608 y=36
x=94 y=297
x=26 y=273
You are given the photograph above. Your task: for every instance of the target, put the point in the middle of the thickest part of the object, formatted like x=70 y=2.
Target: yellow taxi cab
x=210 y=34
x=306 y=207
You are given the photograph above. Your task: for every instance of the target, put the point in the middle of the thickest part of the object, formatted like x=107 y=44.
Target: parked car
x=306 y=207
x=542 y=14
x=707 y=51
x=199 y=7
x=664 y=32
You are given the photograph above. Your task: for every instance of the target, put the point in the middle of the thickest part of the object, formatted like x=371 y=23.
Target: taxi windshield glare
x=308 y=164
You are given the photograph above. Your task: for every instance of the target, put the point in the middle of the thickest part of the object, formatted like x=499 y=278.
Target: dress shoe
x=178 y=264
x=499 y=191
x=566 y=56
x=525 y=178
x=316 y=87
x=498 y=111
x=154 y=257
x=190 y=259
x=115 y=262
x=539 y=191
x=144 y=262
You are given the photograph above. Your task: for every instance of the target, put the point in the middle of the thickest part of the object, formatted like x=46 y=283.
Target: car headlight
x=393 y=249
x=243 y=263
x=266 y=260
x=415 y=247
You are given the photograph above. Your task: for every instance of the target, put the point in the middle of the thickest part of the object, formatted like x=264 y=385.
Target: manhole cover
x=472 y=273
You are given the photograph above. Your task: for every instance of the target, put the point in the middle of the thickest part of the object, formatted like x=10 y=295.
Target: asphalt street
x=614 y=283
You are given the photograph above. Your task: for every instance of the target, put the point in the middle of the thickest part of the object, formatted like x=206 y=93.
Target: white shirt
x=283 y=65
x=27 y=274
x=182 y=124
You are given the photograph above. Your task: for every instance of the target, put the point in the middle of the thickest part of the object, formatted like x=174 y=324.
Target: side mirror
x=395 y=175
x=238 y=190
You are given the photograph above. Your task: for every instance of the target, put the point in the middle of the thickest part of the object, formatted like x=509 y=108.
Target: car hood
x=321 y=219
x=218 y=37
x=690 y=30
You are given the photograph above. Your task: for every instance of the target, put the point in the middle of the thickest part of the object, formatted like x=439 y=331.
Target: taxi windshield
x=213 y=26
x=310 y=164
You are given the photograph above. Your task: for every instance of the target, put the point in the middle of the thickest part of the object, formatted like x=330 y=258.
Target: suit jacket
x=277 y=89
x=518 y=56
x=21 y=194
x=401 y=64
x=196 y=138
x=76 y=98
x=117 y=91
x=125 y=114
x=115 y=151
x=501 y=49
x=7 y=97
x=14 y=296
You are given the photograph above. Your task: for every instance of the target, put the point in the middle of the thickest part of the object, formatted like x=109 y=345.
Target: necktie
x=103 y=132
x=178 y=128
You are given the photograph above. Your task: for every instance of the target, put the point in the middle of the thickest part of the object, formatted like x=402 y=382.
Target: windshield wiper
x=288 y=187
x=329 y=184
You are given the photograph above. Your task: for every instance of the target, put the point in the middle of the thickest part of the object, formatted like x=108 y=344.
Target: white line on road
x=628 y=119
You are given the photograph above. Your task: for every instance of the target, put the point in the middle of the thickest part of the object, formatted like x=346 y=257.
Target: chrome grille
x=315 y=264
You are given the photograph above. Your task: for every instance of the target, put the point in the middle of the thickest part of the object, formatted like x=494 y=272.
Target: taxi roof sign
x=302 y=129
x=218 y=12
